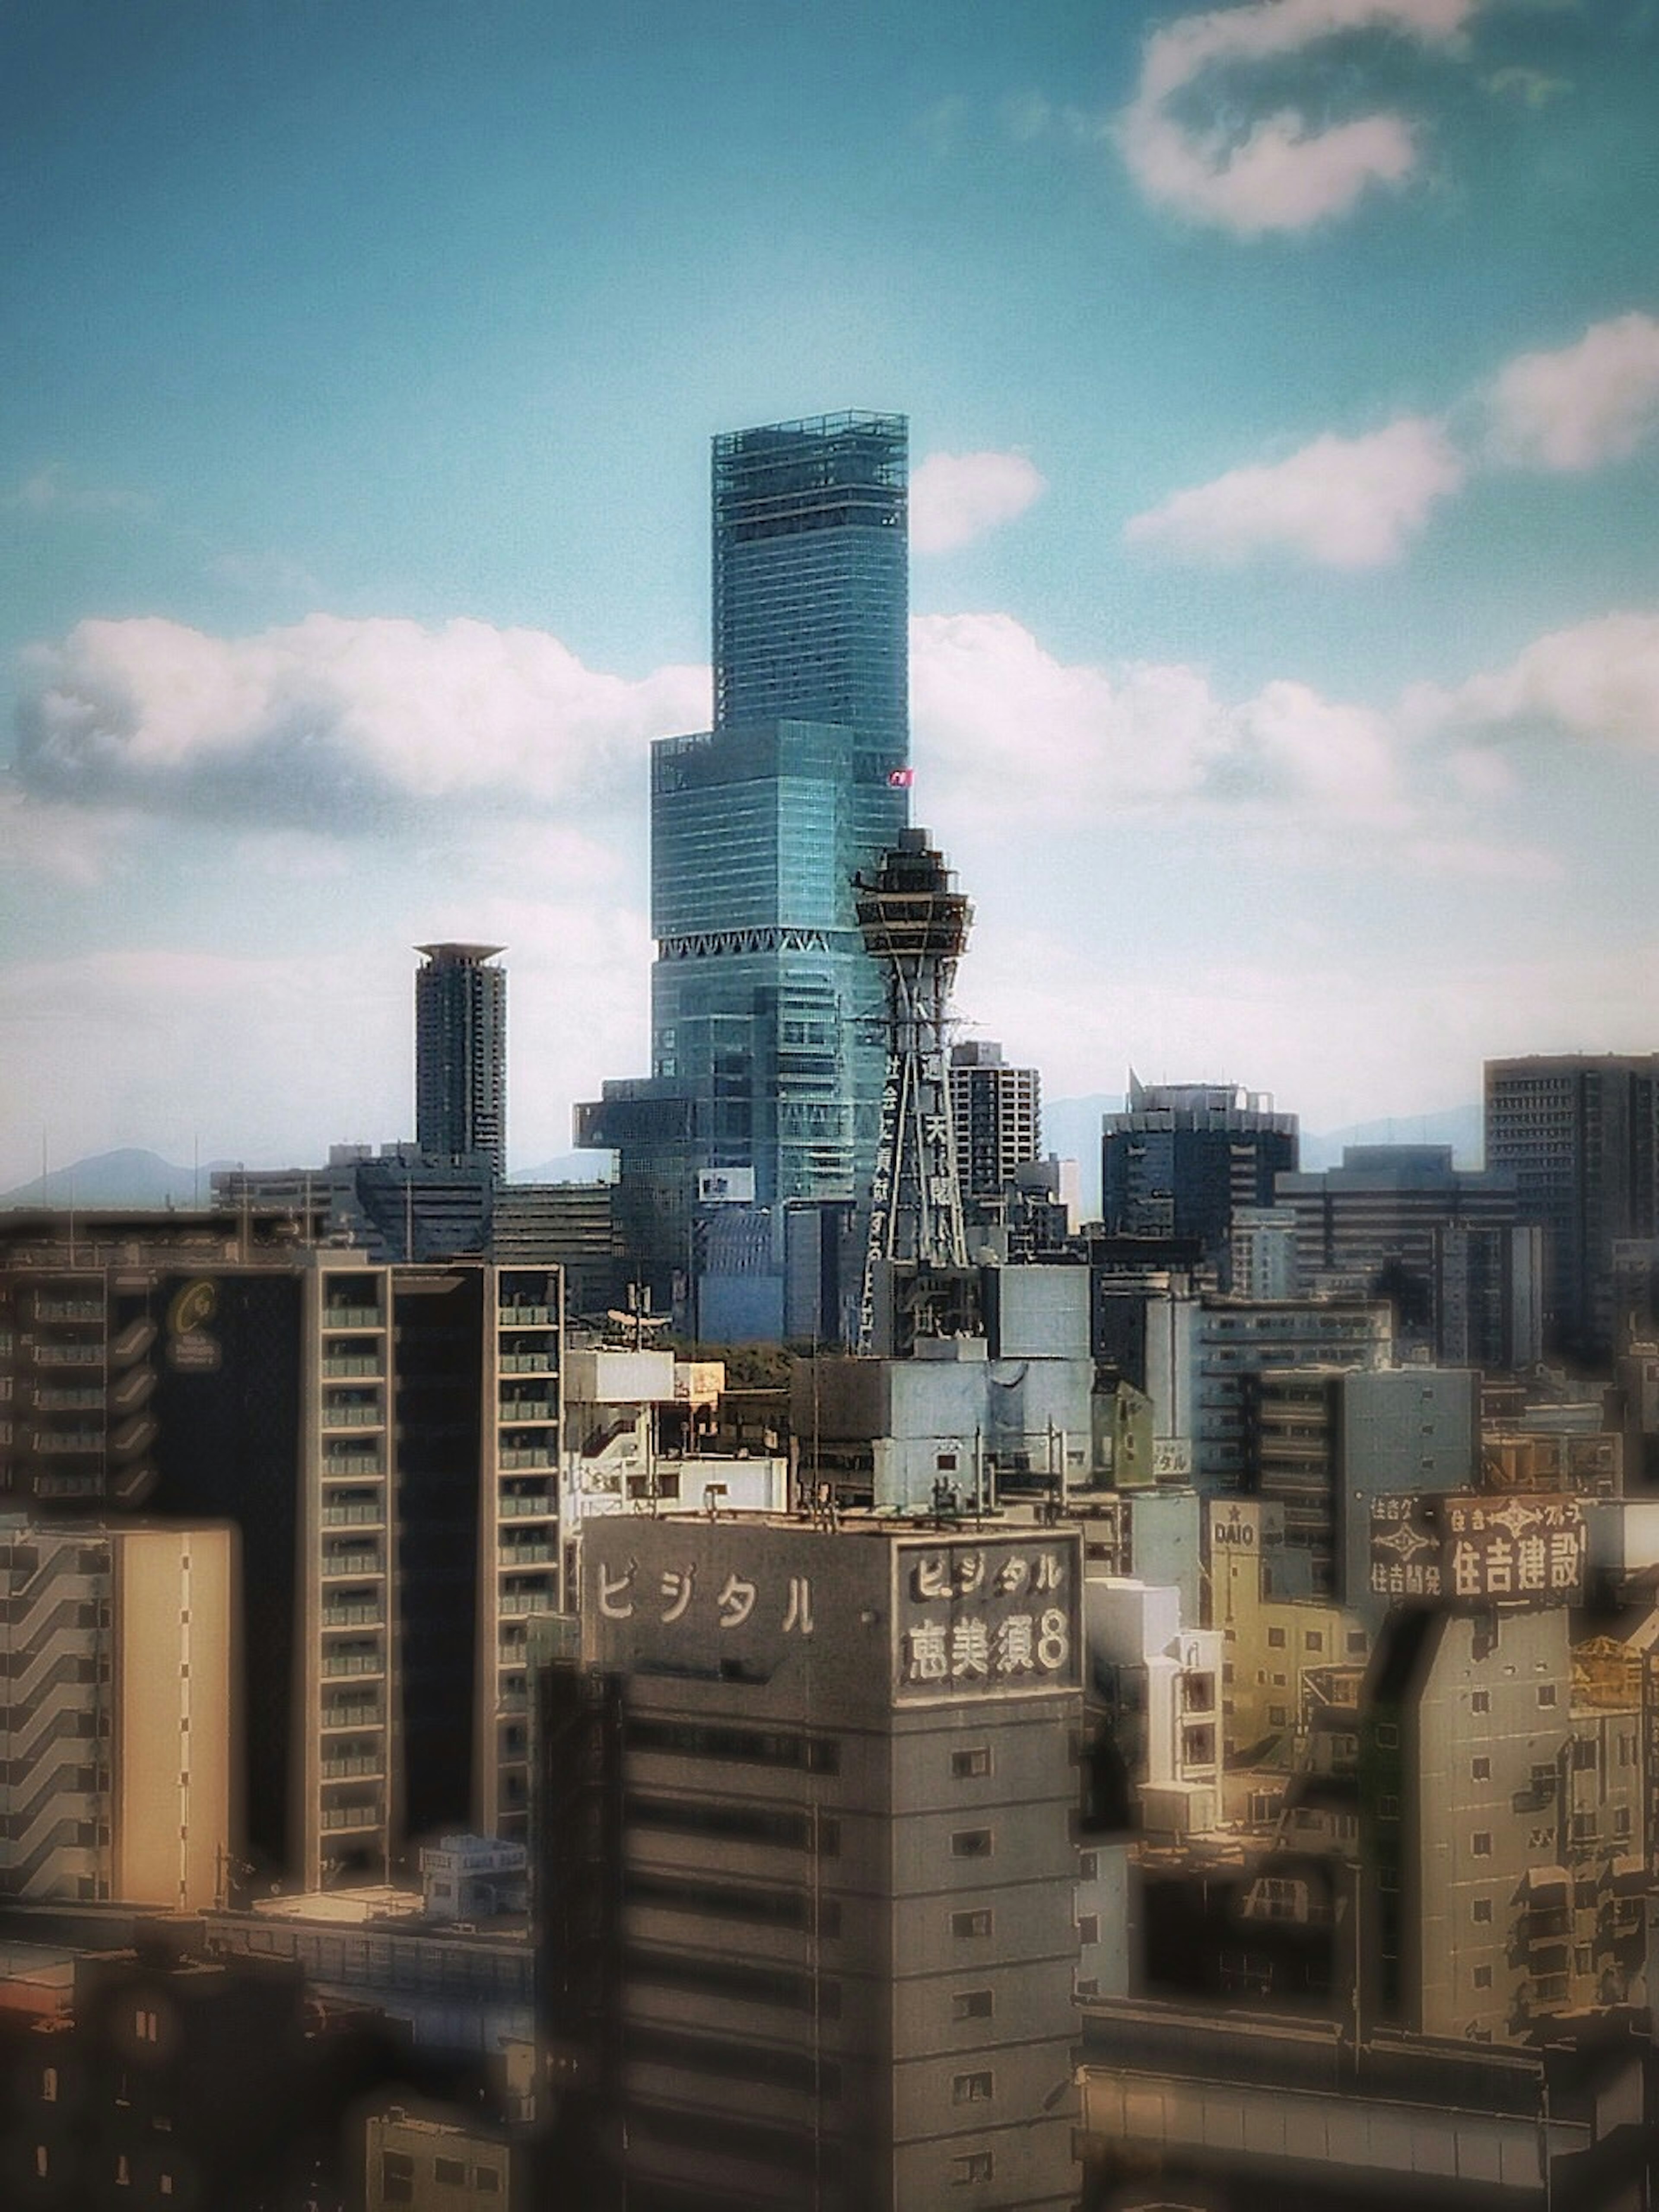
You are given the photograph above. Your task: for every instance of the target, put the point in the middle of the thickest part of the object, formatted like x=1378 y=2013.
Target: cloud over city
x=957 y=498
x=1345 y=503
x=1281 y=171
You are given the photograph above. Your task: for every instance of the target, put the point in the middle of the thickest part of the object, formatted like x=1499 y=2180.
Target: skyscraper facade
x=765 y=1005
x=1581 y=1138
x=998 y=1112
x=461 y=1054
x=1184 y=1156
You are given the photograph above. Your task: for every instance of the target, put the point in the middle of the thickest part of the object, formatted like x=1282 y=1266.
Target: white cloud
x=1589 y=403
x=50 y=490
x=1286 y=172
x=1599 y=680
x=1011 y=730
x=1348 y=502
x=337 y=725
x=955 y=498
x=68 y=845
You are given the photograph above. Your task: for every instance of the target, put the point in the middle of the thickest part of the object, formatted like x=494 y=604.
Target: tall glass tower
x=765 y=1005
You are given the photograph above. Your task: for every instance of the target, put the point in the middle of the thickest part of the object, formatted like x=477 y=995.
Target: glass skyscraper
x=765 y=1006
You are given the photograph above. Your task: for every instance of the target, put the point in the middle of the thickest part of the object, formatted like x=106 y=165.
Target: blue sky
x=1283 y=384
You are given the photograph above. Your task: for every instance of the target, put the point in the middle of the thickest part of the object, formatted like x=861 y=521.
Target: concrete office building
x=1325 y=1442
x=1182 y=1159
x=1505 y=1806
x=116 y=1725
x=385 y=1440
x=1444 y=1245
x=1196 y=1353
x=1157 y=1680
x=1581 y=1138
x=460 y=1055
x=812 y=1889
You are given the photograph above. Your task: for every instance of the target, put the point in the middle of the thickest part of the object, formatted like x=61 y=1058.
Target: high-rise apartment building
x=1581 y=1137
x=383 y=1438
x=998 y=1112
x=461 y=1054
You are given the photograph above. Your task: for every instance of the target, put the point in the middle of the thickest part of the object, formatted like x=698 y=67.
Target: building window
x=1278 y=1717
x=1480 y=1769
x=1480 y=1843
x=975 y=2166
x=971 y=2089
x=1313 y=1640
x=123 y=2178
x=1482 y=1909
x=1480 y=1701
x=972 y=1844
x=397 y=2177
x=486 y=2181
x=144 y=2026
x=1275 y=1639
x=451 y=2172
x=1088 y=1929
x=1388 y=1809
x=40 y=2161
x=973 y=2004
x=966 y=1765
x=1547 y=1694
x=1483 y=1978
x=1388 y=1736
x=49 y=2085
x=971 y=1923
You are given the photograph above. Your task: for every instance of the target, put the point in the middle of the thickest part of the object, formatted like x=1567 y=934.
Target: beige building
x=116 y=1649
x=1272 y=1649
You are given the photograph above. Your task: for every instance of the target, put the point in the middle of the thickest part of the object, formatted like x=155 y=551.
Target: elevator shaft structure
x=915 y=922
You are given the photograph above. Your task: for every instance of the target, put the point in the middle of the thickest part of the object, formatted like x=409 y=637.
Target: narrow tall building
x=997 y=1111
x=1581 y=1137
x=461 y=1054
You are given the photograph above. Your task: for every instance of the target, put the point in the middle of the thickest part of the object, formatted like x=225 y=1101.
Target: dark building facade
x=808 y=1871
x=1581 y=1138
x=461 y=1054
x=1183 y=1157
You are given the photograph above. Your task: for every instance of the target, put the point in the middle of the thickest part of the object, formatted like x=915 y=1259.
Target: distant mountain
x=567 y=1167
x=1462 y=1127
x=128 y=1177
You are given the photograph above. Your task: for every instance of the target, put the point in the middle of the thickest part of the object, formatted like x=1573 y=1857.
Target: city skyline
x=1286 y=658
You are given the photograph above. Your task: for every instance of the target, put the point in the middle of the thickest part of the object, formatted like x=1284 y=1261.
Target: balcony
x=518 y=1505
x=512 y=1456
x=343 y=1317
x=350 y=1816
x=353 y=1417
x=522 y=1601
x=355 y=1613
x=339 y=1770
x=361 y=1562
x=55 y=1309
x=343 y=1366
x=527 y=1409
x=525 y=1316
x=528 y=1359
x=337 y=1664
x=69 y=1355
x=337 y=1464
x=351 y=1717
x=526 y=1555
x=368 y=1514
x=68 y=1440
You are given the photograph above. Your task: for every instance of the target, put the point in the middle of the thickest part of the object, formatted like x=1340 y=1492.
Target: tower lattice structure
x=915 y=924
